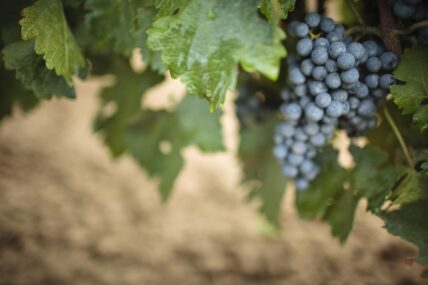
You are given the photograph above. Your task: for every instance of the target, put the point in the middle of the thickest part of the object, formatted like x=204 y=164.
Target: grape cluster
x=412 y=11
x=332 y=82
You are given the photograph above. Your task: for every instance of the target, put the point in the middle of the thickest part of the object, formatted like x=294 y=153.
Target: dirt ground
x=69 y=214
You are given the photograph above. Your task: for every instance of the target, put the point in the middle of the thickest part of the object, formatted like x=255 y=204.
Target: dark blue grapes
x=332 y=83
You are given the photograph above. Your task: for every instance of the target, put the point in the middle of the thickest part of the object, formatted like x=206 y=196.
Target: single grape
x=373 y=64
x=340 y=95
x=336 y=48
x=306 y=67
x=360 y=89
x=367 y=108
x=318 y=140
x=290 y=171
x=333 y=80
x=346 y=107
x=316 y=87
x=301 y=30
x=386 y=80
x=319 y=73
x=322 y=100
x=299 y=147
x=311 y=128
x=327 y=129
x=291 y=111
x=334 y=36
x=319 y=55
x=304 y=46
x=335 y=109
x=295 y=76
x=327 y=24
x=350 y=76
x=357 y=50
x=389 y=61
x=280 y=151
x=302 y=184
x=285 y=130
x=321 y=42
x=312 y=19
x=346 y=61
x=304 y=100
x=300 y=134
x=313 y=113
x=286 y=94
x=300 y=90
x=372 y=81
x=354 y=103
x=307 y=166
x=372 y=48
x=330 y=65
x=295 y=159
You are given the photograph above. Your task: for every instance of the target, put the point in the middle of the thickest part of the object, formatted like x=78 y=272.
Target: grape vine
x=301 y=79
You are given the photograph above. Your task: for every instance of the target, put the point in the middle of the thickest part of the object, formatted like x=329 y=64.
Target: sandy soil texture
x=69 y=214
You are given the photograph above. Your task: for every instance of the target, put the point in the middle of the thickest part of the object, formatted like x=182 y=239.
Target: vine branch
x=363 y=30
x=413 y=28
x=388 y=27
x=399 y=137
x=355 y=12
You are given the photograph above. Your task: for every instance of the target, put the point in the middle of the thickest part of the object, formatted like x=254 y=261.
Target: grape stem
x=355 y=12
x=413 y=28
x=362 y=30
x=399 y=137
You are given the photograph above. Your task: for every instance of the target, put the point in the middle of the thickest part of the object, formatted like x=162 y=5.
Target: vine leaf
x=410 y=222
x=412 y=187
x=113 y=24
x=411 y=96
x=276 y=10
x=205 y=40
x=156 y=138
x=168 y=7
x=262 y=172
x=31 y=71
x=45 y=22
x=125 y=96
x=12 y=94
x=152 y=58
x=371 y=179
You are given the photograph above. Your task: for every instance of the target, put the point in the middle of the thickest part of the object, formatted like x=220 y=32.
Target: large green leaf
x=156 y=138
x=410 y=222
x=371 y=178
x=412 y=95
x=45 y=22
x=206 y=39
x=31 y=71
x=276 y=9
x=113 y=24
x=125 y=98
x=412 y=186
x=262 y=172
x=11 y=93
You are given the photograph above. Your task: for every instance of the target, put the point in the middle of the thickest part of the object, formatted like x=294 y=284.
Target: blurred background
x=69 y=214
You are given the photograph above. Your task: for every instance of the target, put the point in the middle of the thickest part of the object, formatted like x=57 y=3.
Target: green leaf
x=168 y=7
x=11 y=93
x=113 y=24
x=152 y=58
x=198 y=127
x=276 y=9
x=155 y=142
x=412 y=186
x=45 y=22
x=125 y=98
x=155 y=139
x=313 y=202
x=410 y=223
x=262 y=172
x=340 y=214
x=413 y=70
x=31 y=71
x=371 y=179
x=206 y=39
